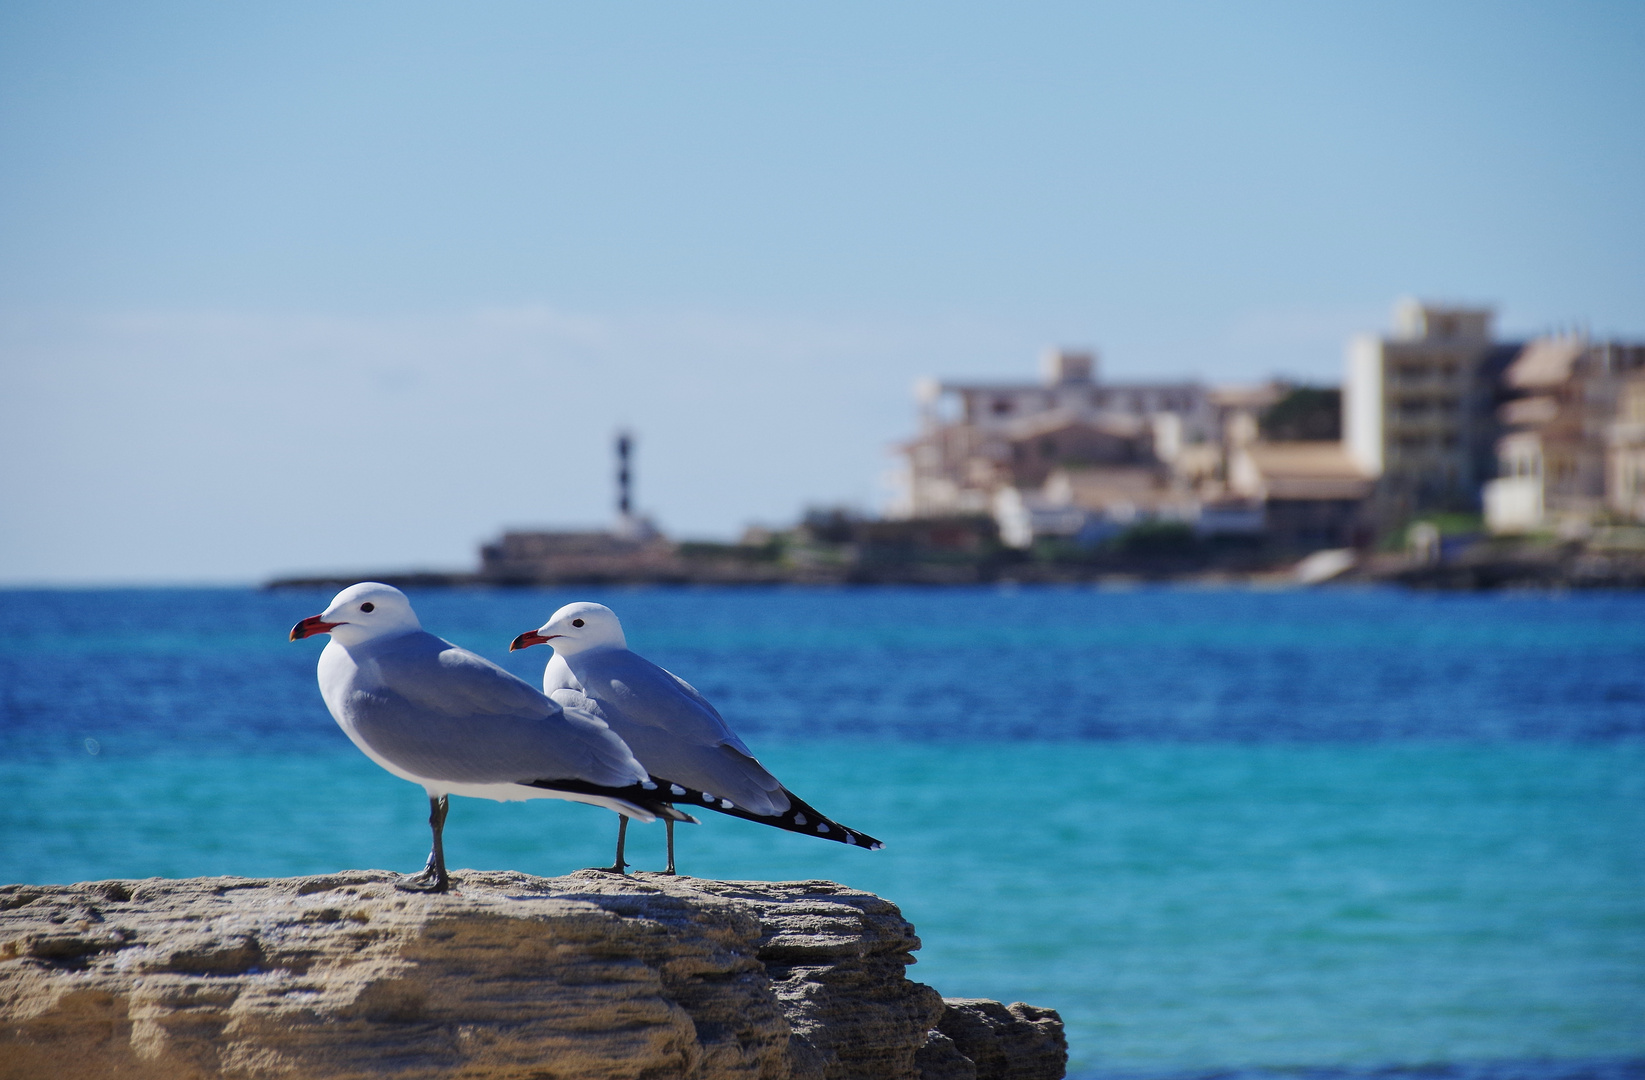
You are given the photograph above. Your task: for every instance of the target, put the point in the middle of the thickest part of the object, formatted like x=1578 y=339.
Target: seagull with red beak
x=671 y=728
x=454 y=723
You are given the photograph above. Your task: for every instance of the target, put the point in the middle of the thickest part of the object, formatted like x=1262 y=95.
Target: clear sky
x=309 y=286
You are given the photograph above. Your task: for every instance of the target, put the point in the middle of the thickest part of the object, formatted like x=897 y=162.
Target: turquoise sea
x=1329 y=833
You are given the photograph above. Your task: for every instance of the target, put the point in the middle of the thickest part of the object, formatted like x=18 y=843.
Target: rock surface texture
x=588 y=976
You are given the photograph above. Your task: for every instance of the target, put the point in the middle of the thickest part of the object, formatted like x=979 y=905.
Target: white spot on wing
x=649 y=786
x=821 y=827
x=707 y=798
x=676 y=789
x=799 y=819
x=726 y=804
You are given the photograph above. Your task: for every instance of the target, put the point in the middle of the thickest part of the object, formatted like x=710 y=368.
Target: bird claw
x=426 y=882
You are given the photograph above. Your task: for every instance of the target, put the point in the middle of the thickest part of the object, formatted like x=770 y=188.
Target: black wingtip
x=644 y=795
x=800 y=817
x=664 y=797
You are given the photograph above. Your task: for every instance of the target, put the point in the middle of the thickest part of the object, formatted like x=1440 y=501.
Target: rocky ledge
x=587 y=976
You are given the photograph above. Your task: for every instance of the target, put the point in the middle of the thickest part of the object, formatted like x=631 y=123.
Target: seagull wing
x=673 y=730
x=649 y=695
x=444 y=713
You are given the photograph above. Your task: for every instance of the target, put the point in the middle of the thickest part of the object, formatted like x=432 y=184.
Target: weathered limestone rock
x=587 y=976
x=1005 y=1042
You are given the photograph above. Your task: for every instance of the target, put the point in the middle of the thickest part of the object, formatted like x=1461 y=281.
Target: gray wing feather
x=649 y=695
x=446 y=714
x=674 y=731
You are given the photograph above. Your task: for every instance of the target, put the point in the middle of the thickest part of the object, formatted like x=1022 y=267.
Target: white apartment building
x=1419 y=408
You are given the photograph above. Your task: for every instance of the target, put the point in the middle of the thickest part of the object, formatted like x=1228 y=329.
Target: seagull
x=457 y=724
x=671 y=728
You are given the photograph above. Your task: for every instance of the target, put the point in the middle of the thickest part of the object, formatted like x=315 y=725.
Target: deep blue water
x=1323 y=833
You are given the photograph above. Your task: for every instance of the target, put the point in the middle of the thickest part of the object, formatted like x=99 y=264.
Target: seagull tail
x=800 y=817
x=646 y=796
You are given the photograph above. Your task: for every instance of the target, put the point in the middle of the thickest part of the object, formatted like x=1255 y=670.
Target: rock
x=940 y=1059
x=587 y=976
x=1006 y=1042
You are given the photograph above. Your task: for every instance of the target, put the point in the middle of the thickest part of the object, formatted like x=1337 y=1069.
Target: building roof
x=1307 y=470
x=1546 y=362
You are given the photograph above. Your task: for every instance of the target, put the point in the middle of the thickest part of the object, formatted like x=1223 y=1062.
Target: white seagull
x=671 y=728
x=457 y=724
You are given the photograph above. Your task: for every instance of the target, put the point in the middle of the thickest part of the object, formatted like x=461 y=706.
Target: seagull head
x=574 y=628
x=360 y=613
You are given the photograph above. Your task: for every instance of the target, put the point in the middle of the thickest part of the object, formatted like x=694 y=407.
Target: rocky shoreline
x=590 y=975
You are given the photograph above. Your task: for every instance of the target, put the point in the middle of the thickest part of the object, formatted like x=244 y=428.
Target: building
x=979 y=439
x=1086 y=505
x=1076 y=461
x=1419 y=409
x=1570 y=450
x=546 y=557
x=1625 y=452
x=1313 y=494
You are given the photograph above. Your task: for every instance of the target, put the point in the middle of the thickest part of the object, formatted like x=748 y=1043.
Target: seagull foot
x=425 y=882
x=614 y=868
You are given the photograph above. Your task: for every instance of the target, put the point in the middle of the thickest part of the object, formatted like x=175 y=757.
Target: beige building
x=1571 y=448
x=1087 y=504
x=979 y=439
x=1625 y=452
x=1419 y=408
x=1073 y=459
x=1313 y=494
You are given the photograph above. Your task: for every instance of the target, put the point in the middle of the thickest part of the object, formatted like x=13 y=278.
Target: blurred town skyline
x=315 y=288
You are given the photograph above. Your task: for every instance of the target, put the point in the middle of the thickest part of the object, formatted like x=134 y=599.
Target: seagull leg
x=619 y=866
x=434 y=878
x=670 y=823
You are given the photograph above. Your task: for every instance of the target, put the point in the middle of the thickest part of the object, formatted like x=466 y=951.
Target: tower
x=625 y=503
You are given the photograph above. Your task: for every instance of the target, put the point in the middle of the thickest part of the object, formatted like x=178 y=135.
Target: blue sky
x=310 y=286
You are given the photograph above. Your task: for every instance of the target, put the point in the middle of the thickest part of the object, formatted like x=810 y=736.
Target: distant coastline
x=1481 y=566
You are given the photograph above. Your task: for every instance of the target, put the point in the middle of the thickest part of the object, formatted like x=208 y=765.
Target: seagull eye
x=367 y=607
x=576 y=622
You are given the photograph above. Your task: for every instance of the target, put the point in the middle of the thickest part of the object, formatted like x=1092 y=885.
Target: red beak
x=528 y=639
x=311 y=626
